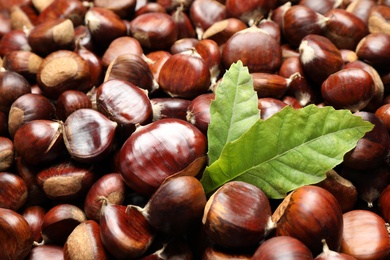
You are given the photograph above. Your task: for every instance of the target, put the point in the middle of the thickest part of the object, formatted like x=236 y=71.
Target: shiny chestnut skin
x=46 y=252
x=7 y=153
x=12 y=86
x=16 y=240
x=73 y=10
x=70 y=101
x=371 y=150
x=349 y=89
x=27 y=108
x=13 y=41
x=237 y=216
x=158 y=150
x=198 y=111
x=269 y=106
x=383 y=112
x=249 y=11
x=109 y=187
x=384 y=204
x=221 y=31
x=119 y=46
x=124 y=103
x=34 y=216
x=257 y=50
x=166 y=107
x=365 y=235
x=184 y=76
x=374 y=49
x=282 y=247
x=39 y=141
x=88 y=135
x=14 y=193
x=154 y=30
x=310 y=214
x=26 y=63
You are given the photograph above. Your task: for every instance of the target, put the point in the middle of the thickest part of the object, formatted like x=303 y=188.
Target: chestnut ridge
x=291 y=149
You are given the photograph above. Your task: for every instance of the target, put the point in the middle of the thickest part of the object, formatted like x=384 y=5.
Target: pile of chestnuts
x=104 y=111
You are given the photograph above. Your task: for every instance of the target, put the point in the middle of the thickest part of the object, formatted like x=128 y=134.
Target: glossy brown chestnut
x=155 y=31
x=85 y=243
x=176 y=205
x=95 y=67
x=12 y=86
x=14 y=193
x=70 y=101
x=119 y=46
x=51 y=36
x=198 y=111
x=14 y=40
x=104 y=25
x=34 y=216
x=283 y=247
x=26 y=63
x=27 y=108
x=361 y=9
x=125 y=9
x=371 y=149
x=328 y=254
x=344 y=29
x=300 y=21
x=155 y=60
x=124 y=231
x=63 y=70
x=374 y=49
x=158 y=150
x=321 y=7
x=319 y=58
x=68 y=9
x=349 y=89
x=269 y=106
x=221 y=31
x=88 y=135
x=7 y=153
x=16 y=240
x=383 y=112
x=310 y=214
x=134 y=69
x=169 y=108
x=183 y=23
x=237 y=215
x=185 y=76
x=39 y=141
x=341 y=188
x=59 y=222
x=365 y=235
x=249 y=11
x=182 y=45
x=384 y=204
x=65 y=181
x=257 y=50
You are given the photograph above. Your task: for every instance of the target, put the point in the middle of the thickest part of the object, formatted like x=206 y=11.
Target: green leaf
x=233 y=111
x=290 y=149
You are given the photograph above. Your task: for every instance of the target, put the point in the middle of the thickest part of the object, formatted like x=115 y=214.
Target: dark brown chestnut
x=374 y=50
x=34 y=216
x=269 y=106
x=119 y=46
x=7 y=153
x=88 y=135
x=16 y=240
x=221 y=31
x=26 y=63
x=282 y=247
x=12 y=86
x=13 y=41
x=13 y=195
x=125 y=9
x=371 y=150
x=39 y=141
x=184 y=25
x=68 y=9
x=70 y=101
x=27 y=108
x=169 y=108
x=238 y=215
x=198 y=111
x=310 y=214
x=249 y=11
x=59 y=222
x=158 y=150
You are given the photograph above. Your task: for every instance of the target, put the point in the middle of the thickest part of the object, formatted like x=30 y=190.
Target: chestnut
x=14 y=192
x=222 y=30
x=59 y=222
x=84 y=242
x=176 y=205
x=27 y=108
x=155 y=60
x=13 y=41
x=269 y=106
x=349 y=89
x=198 y=111
x=26 y=63
x=16 y=240
x=7 y=153
x=169 y=108
x=39 y=141
x=310 y=214
x=257 y=50
x=365 y=235
x=124 y=103
x=249 y=11
x=70 y=101
x=125 y=9
x=282 y=247
x=124 y=231
x=46 y=252
x=154 y=30
x=185 y=75
x=68 y=9
x=34 y=216
x=183 y=23
x=371 y=150
x=237 y=215
x=119 y=46
x=373 y=49
x=88 y=135
x=158 y=150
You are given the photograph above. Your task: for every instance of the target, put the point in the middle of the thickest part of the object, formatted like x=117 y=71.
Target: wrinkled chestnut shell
x=158 y=150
